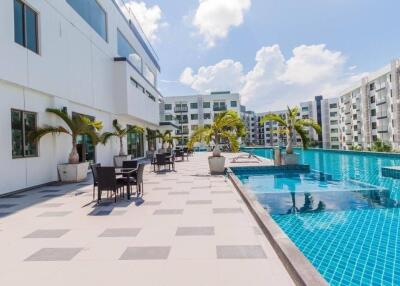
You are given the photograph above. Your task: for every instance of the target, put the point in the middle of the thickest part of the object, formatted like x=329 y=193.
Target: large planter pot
x=290 y=159
x=118 y=160
x=217 y=164
x=72 y=173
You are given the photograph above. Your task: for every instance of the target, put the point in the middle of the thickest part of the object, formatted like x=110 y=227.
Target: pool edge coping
x=298 y=266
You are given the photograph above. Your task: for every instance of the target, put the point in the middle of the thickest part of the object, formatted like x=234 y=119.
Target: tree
x=227 y=126
x=166 y=137
x=380 y=146
x=77 y=125
x=120 y=133
x=292 y=125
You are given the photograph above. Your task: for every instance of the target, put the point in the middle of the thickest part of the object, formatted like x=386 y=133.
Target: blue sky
x=304 y=47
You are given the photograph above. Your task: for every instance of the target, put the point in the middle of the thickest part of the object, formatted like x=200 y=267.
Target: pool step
x=391 y=172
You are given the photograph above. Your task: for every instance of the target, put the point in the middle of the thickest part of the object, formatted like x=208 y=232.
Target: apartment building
x=313 y=110
x=193 y=111
x=249 y=119
x=330 y=124
x=370 y=111
x=87 y=57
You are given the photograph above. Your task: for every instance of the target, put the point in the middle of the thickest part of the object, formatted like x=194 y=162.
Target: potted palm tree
x=167 y=139
x=73 y=171
x=227 y=127
x=120 y=133
x=290 y=125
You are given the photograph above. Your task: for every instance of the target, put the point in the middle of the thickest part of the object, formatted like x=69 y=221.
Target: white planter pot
x=118 y=160
x=72 y=173
x=217 y=164
x=290 y=159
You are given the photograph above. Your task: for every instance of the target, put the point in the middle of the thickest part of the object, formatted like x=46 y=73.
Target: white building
x=331 y=131
x=193 y=111
x=369 y=111
x=88 y=57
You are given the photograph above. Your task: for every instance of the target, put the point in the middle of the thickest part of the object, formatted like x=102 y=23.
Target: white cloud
x=225 y=75
x=150 y=18
x=275 y=82
x=214 y=18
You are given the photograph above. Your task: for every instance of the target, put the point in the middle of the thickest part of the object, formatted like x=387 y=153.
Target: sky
x=274 y=53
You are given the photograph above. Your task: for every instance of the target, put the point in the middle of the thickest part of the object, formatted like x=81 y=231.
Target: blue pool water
x=343 y=215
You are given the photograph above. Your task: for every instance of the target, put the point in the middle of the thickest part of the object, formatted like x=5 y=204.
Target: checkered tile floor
x=190 y=229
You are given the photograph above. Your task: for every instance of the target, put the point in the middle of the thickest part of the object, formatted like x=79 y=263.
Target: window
x=304 y=109
x=233 y=103
x=168 y=117
x=93 y=14
x=373 y=112
x=22 y=122
x=149 y=75
x=207 y=115
x=372 y=86
x=333 y=114
x=372 y=99
x=334 y=122
x=374 y=138
x=26 y=26
x=168 y=106
x=194 y=127
x=194 y=116
x=127 y=51
x=373 y=125
x=333 y=105
x=354 y=116
x=206 y=105
x=193 y=105
x=135 y=144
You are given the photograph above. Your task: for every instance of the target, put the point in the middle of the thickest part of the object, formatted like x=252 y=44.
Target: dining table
x=128 y=173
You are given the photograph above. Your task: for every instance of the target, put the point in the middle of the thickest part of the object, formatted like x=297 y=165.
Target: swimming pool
x=343 y=215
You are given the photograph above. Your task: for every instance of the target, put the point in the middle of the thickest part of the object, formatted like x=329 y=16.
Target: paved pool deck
x=190 y=229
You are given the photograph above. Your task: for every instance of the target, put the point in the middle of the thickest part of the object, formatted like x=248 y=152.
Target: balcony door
x=86 y=148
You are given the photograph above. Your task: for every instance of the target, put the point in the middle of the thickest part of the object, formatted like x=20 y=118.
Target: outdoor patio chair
x=139 y=180
x=107 y=182
x=180 y=153
x=161 y=160
x=94 y=174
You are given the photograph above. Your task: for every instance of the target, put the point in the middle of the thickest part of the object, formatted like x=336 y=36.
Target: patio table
x=129 y=172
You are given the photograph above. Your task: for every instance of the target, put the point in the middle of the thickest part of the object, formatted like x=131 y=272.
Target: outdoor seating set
x=115 y=179
x=164 y=159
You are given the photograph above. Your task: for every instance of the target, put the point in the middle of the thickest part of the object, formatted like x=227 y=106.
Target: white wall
x=75 y=68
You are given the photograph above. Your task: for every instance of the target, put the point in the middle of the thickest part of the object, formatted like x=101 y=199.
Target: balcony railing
x=179 y=109
x=219 y=108
x=183 y=121
x=182 y=132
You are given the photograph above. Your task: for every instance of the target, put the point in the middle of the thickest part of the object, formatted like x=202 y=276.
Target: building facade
x=370 y=111
x=330 y=124
x=193 y=111
x=87 y=57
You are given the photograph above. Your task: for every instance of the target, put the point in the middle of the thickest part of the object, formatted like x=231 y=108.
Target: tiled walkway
x=190 y=229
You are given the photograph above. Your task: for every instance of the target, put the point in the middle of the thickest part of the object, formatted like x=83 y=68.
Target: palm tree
x=120 y=133
x=227 y=126
x=166 y=137
x=291 y=125
x=77 y=125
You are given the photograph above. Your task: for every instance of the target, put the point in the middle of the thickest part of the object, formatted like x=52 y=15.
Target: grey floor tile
x=168 y=212
x=120 y=232
x=199 y=202
x=227 y=210
x=7 y=206
x=257 y=230
x=54 y=214
x=50 y=191
x=179 y=193
x=50 y=205
x=146 y=253
x=152 y=203
x=54 y=254
x=240 y=252
x=195 y=231
x=47 y=233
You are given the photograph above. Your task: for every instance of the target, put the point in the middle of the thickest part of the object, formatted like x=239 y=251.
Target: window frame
x=24 y=25
x=23 y=156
